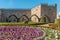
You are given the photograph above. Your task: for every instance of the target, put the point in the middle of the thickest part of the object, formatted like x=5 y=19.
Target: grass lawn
x=17 y=23
x=48 y=25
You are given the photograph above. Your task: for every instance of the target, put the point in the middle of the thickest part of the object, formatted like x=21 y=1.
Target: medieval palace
x=34 y=14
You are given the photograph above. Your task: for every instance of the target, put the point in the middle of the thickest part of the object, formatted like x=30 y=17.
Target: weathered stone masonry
x=34 y=14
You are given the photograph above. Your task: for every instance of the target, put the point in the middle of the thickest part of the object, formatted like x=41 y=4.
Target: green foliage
x=53 y=21
x=57 y=21
x=42 y=20
x=31 y=22
x=9 y=23
x=26 y=22
x=17 y=23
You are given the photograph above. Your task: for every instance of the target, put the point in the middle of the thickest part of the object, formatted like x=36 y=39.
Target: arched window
x=12 y=18
x=24 y=18
x=34 y=18
x=47 y=18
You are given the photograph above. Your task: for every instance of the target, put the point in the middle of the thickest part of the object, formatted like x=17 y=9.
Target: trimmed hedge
x=31 y=22
x=17 y=23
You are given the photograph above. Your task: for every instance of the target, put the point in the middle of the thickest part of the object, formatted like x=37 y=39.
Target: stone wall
x=34 y=14
x=17 y=12
x=49 y=11
x=36 y=11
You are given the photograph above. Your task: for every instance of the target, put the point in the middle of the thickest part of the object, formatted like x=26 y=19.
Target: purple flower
x=18 y=32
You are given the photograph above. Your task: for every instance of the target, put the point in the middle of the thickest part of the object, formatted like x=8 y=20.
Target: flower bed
x=19 y=33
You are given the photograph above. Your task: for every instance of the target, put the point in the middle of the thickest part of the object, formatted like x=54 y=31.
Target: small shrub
x=53 y=21
x=26 y=22
x=42 y=20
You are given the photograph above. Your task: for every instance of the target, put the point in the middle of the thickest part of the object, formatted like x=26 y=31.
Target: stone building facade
x=14 y=15
x=34 y=14
x=48 y=11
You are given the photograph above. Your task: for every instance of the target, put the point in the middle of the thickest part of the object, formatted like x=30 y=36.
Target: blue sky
x=22 y=4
